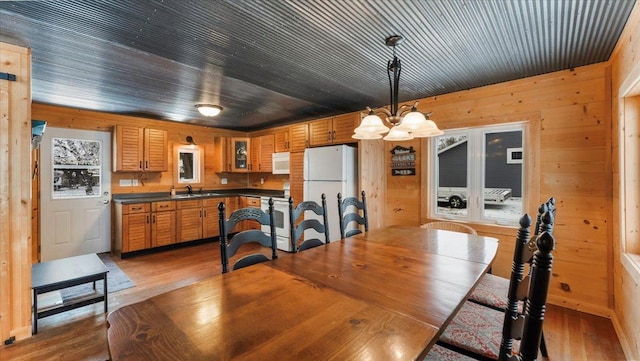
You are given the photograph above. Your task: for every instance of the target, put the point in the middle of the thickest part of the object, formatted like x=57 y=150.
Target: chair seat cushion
x=477 y=329
x=491 y=291
x=439 y=353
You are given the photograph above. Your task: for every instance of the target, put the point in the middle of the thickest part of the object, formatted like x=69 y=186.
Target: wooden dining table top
x=385 y=294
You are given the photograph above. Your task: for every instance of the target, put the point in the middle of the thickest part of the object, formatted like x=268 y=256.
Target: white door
x=75 y=192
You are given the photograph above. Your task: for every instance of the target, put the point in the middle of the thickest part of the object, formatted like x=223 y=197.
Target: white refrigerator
x=329 y=170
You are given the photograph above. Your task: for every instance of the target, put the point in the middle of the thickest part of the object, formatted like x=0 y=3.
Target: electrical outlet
x=134 y=182
x=125 y=182
x=261 y=180
x=223 y=180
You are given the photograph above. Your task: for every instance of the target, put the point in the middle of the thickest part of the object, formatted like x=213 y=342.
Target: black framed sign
x=403 y=161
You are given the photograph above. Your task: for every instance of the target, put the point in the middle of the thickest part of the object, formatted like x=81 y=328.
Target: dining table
x=385 y=294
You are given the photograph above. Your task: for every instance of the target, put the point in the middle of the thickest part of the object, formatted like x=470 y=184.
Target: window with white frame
x=477 y=174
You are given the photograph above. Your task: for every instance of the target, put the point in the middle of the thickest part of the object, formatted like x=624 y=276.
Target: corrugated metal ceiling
x=276 y=62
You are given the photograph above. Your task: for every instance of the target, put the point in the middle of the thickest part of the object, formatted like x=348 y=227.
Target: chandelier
x=406 y=121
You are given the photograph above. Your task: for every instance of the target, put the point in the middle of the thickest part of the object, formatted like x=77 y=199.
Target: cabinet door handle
x=201 y=213
x=328 y=136
x=333 y=135
x=164 y=206
x=136 y=208
x=154 y=219
x=205 y=213
x=140 y=165
x=146 y=164
x=147 y=219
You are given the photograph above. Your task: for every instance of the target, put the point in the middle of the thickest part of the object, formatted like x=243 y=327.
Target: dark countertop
x=130 y=198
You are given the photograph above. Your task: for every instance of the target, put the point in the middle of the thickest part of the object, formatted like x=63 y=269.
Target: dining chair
x=349 y=212
x=492 y=290
x=230 y=244
x=298 y=241
x=450 y=226
x=484 y=333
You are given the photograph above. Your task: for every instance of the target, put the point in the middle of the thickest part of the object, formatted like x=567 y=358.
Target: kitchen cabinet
x=296 y=180
x=132 y=227
x=247 y=202
x=281 y=140
x=261 y=154
x=240 y=157
x=163 y=223
x=139 y=149
x=189 y=220
x=298 y=137
x=221 y=155
x=333 y=130
x=210 y=217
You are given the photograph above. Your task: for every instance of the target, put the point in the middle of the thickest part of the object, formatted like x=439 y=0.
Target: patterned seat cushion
x=439 y=353
x=476 y=328
x=491 y=291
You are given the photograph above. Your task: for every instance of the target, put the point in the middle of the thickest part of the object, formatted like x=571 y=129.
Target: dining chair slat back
x=230 y=244
x=297 y=237
x=349 y=213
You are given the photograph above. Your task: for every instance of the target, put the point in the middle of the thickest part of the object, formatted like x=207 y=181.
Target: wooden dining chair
x=349 y=213
x=298 y=241
x=450 y=226
x=230 y=244
x=484 y=333
x=492 y=290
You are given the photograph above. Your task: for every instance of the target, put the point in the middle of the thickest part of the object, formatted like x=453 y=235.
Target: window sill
x=631 y=263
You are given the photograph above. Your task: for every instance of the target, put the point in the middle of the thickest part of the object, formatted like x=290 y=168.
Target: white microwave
x=280 y=163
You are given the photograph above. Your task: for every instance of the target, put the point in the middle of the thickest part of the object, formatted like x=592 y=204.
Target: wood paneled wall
x=62 y=117
x=625 y=89
x=569 y=153
x=15 y=193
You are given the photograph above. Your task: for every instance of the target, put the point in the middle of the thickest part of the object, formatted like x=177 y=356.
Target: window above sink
x=188 y=164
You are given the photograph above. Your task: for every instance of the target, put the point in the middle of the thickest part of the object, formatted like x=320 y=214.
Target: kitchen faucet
x=189 y=189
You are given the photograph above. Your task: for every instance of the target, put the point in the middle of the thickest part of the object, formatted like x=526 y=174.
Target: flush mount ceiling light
x=209 y=110
x=406 y=123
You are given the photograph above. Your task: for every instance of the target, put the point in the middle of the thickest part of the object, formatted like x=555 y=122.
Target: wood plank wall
x=15 y=193
x=569 y=157
x=625 y=89
x=63 y=117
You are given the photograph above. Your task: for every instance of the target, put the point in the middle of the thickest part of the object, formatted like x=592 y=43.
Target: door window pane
x=76 y=168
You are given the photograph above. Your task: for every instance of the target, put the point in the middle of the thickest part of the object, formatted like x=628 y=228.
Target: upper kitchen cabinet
x=139 y=149
x=222 y=155
x=261 y=154
x=334 y=130
x=240 y=148
x=281 y=140
x=298 y=137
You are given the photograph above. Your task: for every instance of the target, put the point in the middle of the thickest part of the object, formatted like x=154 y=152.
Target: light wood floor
x=81 y=334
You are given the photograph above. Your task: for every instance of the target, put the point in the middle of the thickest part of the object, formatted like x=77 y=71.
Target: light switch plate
x=223 y=180
x=134 y=182
x=125 y=182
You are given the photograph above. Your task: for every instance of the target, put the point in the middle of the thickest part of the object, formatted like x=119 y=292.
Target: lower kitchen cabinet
x=210 y=217
x=246 y=202
x=132 y=227
x=189 y=220
x=163 y=223
x=141 y=226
